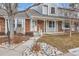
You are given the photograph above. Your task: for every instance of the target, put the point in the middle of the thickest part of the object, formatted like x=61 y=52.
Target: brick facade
x=2 y=24
x=27 y=25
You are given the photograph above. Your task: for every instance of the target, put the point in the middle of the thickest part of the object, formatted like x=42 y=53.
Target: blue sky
x=23 y=6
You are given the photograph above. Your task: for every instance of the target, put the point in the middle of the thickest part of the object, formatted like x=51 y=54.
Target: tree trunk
x=70 y=29
x=11 y=28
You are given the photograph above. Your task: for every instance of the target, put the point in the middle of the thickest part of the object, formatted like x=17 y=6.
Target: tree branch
x=1 y=7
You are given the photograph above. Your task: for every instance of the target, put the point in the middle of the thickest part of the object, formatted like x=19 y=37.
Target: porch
x=50 y=25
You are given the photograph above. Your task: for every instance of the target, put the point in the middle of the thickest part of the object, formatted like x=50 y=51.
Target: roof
x=70 y=9
x=36 y=13
x=21 y=15
x=33 y=12
x=66 y=9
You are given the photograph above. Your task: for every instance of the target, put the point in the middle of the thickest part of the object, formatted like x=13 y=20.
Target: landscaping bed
x=15 y=40
x=3 y=39
x=19 y=38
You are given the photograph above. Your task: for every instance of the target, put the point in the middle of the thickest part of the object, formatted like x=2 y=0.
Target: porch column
x=30 y=22
x=44 y=26
x=31 y=25
x=6 y=20
x=56 y=26
x=63 y=28
x=24 y=25
x=15 y=25
x=70 y=28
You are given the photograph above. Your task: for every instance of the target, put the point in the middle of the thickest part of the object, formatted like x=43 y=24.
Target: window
x=34 y=23
x=50 y=23
x=75 y=15
x=19 y=25
x=65 y=14
x=52 y=10
x=53 y=24
x=67 y=25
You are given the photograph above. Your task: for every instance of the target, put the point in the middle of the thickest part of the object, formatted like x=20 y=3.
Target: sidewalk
x=18 y=50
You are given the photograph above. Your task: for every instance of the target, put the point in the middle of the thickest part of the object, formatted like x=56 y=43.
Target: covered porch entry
x=46 y=25
x=50 y=25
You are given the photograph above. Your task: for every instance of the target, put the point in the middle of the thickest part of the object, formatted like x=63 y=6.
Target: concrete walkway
x=18 y=50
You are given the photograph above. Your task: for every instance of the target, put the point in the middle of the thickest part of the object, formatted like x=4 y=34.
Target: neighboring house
x=45 y=18
x=19 y=24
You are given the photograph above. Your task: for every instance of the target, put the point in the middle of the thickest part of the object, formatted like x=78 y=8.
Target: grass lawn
x=62 y=42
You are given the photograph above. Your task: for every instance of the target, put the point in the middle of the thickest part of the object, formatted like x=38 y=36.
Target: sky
x=23 y=6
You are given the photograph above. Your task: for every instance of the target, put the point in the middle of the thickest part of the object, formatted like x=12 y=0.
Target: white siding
x=44 y=10
x=41 y=9
x=49 y=8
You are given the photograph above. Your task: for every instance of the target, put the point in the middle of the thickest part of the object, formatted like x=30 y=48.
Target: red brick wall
x=27 y=25
x=2 y=24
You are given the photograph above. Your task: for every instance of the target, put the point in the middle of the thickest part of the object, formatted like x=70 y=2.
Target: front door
x=2 y=25
x=40 y=25
x=59 y=26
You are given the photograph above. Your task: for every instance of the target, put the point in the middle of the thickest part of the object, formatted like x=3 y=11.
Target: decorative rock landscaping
x=42 y=49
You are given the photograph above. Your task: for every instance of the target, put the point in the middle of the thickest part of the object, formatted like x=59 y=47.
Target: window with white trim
x=51 y=24
x=67 y=25
x=52 y=10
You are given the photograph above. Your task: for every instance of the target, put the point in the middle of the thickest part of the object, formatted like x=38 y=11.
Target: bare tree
x=11 y=10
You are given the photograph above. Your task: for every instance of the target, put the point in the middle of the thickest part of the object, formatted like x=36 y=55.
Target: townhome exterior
x=50 y=18
x=47 y=18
